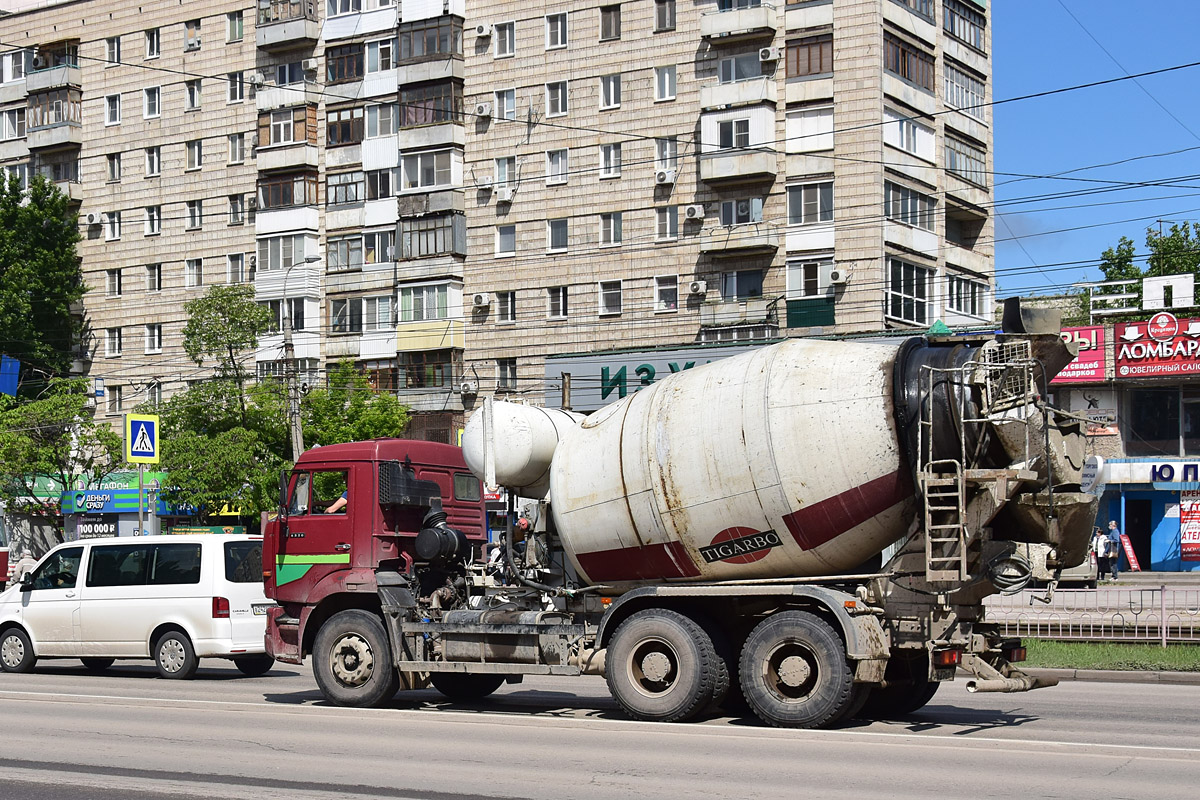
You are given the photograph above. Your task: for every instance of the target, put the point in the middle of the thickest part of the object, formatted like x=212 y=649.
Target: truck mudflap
x=282 y=639
x=1000 y=676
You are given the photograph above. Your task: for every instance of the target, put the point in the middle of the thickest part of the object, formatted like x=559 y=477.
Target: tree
x=221 y=325
x=53 y=436
x=1173 y=252
x=348 y=410
x=40 y=278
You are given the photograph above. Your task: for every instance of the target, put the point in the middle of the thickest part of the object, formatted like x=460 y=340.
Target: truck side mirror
x=283 y=493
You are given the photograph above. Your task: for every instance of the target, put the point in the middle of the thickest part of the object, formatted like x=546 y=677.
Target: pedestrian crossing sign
x=141 y=438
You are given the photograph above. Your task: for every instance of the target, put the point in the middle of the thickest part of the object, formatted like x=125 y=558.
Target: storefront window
x=1153 y=422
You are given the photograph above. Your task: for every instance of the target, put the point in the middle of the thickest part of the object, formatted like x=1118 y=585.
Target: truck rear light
x=220 y=608
x=945 y=659
x=1014 y=655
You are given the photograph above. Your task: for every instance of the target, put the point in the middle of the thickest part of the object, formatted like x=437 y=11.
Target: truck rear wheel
x=910 y=689
x=352 y=661
x=463 y=687
x=794 y=671
x=661 y=666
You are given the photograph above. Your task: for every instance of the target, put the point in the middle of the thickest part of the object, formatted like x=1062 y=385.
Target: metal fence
x=1159 y=615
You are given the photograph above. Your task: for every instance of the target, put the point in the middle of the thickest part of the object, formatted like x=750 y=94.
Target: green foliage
x=54 y=436
x=1112 y=655
x=1174 y=251
x=347 y=410
x=39 y=277
x=222 y=324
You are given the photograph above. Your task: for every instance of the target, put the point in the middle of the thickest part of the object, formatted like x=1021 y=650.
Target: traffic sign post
x=141 y=448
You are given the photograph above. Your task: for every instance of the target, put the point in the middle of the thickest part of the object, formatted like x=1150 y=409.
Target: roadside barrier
x=1117 y=615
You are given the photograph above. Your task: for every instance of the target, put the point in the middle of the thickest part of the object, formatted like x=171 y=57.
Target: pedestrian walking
x=1100 y=551
x=1114 y=548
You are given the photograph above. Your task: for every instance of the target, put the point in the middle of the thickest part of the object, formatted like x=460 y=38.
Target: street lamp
x=289 y=357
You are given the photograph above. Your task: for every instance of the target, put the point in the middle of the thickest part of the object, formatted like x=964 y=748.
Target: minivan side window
x=60 y=571
x=243 y=562
x=175 y=564
x=141 y=565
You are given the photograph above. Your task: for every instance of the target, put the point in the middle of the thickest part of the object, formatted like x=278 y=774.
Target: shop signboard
x=96 y=526
x=1189 y=524
x=1088 y=366
x=1162 y=346
x=228 y=529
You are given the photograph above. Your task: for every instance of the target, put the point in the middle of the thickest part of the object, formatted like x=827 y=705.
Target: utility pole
x=289 y=356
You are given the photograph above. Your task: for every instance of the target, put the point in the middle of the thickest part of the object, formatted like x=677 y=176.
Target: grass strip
x=1112 y=655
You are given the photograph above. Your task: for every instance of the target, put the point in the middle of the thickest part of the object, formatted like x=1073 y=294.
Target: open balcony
x=740 y=93
x=287 y=24
x=738 y=164
x=64 y=134
x=733 y=312
x=752 y=238
x=293 y=156
x=741 y=20
x=62 y=76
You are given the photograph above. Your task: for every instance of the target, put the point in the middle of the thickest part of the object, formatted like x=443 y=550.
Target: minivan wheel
x=174 y=656
x=253 y=666
x=16 y=651
x=97 y=664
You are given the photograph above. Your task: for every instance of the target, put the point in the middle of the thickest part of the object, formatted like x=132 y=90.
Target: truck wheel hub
x=352 y=661
x=656 y=666
x=794 y=671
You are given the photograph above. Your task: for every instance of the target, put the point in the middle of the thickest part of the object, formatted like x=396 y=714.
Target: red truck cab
x=321 y=556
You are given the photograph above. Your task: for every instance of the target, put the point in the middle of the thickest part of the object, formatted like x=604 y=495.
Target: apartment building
x=469 y=197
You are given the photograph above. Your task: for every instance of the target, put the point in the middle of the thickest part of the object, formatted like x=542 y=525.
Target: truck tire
x=175 y=657
x=352 y=661
x=725 y=693
x=465 y=688
x=97 y=664
x=910 y=689
x=16 y=651
x=794 y=671
x=661 y=666
x=254 y=666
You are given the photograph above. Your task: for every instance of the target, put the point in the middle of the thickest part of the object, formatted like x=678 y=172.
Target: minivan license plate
x=260 y=608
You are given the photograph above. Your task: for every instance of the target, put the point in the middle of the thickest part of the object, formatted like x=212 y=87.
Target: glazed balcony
x=287 y=24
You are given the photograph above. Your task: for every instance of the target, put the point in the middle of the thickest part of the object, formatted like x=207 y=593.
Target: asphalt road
x=128 y=735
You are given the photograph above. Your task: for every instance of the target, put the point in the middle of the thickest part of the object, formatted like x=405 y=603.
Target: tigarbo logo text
x=741 y=546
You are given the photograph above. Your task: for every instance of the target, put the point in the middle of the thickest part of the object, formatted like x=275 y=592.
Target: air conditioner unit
x=39 y=61
x=839 y=277
x=468 y=387
x=698 y=287
x=770 y=54
x=483 y=110
x=481 y=300
x=257 y=80
x=664 y=176
x=483 y=29
x=93 y=218
x=483 y=181
x=505 y=194
x=693 y=212
x=252 y=204
x=309 y=65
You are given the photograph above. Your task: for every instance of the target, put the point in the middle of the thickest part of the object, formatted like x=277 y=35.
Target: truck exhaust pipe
x=1018 y=683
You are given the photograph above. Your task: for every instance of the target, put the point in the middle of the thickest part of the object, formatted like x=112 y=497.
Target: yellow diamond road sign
x=141 y=438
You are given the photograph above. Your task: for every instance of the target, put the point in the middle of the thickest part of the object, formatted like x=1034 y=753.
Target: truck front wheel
x=794 y=671
x=352 y=661
x=661 y=666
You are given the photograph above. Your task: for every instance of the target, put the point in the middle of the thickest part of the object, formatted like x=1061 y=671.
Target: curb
x=1118 y=676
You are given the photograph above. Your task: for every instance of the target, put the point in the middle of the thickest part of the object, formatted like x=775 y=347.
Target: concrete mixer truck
x=714 y=539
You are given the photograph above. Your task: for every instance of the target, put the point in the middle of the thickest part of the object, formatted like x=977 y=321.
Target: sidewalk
x=1117 y=676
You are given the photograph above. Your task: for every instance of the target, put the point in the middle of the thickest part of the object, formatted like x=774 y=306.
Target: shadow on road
x=122 y=669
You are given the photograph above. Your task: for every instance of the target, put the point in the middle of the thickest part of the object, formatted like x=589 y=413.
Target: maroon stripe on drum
x=821 y=522
x=652 y=562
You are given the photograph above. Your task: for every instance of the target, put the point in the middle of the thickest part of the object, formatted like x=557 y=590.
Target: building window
x=431 y=369
x=610 y=298
x=610 y=228
x=908 y=292
x=610 y=160
x=234 y=26
x=113 y=282
x=610 y=91
x=733 y=133
x=739 y=68
x=556 y=234
x=290 y=126
x=345 y=315
x=664 y=15
x=964 y=91
x=432 y=38
x=191 y=94
x=154 y=277
x=506 y=306
x=153 y=161
x=377 y=313
x=237 y=87
x=735 y=5
x=906 y=133
x=810 y=203
x=191 y=34
x=115 y=396
x=420 y=303
x=237 y=209
x=556 y=31
x=112 y=109
x=923 y=8
x=807 y=277
x=64 y=106
x=12 y=124
x=966 y=161
x=280 y=252
x=193 y=272
x=344 y=63
x=556 y=98
x=379 y=247
x=809 y=130
x=664 y=83
x=380 y=56
x=152 y=43
x=964 y=295
x=811 y=56
x=909 y=206
x=289 y=74
x=112 y=342
x=667 y=222
x=113 y=162
x=426 y=170
x=741 y=212
x=380 y=184
x=907 y=61
x=344 y=253
x=154 y=338
x=112 y=50
x=151 y=102
x=744 y=284
x=506 y=374
x=556 y=302
x=666 y=293
x=154 y=391
x=153 y=220
x=382 y=120
x=12 y=66
x=112 y=228
x=506 y=104
x=235 y=269
x=610 y=23
x=195 y=154
x=666 y=153
x=433 y=235
x=964 y=24
x=284 y=191
x=506 y=170
x=431 y=104
x=505 y=38
x=506 y=240
x=344 y=126
x=556 y=166
x=18 y=171
x=339 y=7
x=344 y=188
x=237 y=148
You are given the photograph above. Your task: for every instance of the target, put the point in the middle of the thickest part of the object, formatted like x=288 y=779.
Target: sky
x=1039 y=45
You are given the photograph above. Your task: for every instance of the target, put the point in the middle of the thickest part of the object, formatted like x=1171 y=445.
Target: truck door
x=50 y=609
x=320 y=525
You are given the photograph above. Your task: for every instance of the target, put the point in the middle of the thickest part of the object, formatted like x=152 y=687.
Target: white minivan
x=175 y=599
